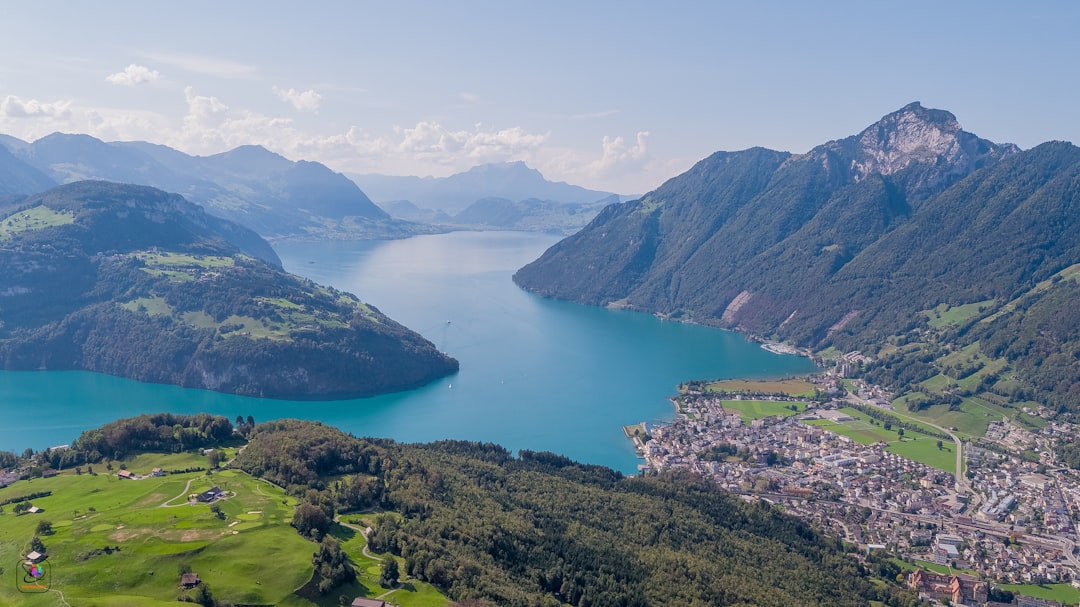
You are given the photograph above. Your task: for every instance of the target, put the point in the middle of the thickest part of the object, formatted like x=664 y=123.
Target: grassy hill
x=131 y=281
x=123 y=542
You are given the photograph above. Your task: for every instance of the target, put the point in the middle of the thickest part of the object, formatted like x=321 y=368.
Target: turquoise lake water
x=535 y=374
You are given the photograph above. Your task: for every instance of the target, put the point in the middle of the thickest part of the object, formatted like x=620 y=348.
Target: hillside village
x=1004 y=520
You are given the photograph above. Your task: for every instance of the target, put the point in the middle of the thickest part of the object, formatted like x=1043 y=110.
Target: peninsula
x=131 y=281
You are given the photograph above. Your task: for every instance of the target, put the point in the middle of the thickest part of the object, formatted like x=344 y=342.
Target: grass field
x=943 y=569
x=791 y=387
x=1062 y=593
x=860 y=430
x=154 y=306
x=975 y=414
x=944 y=315
x=913 y=446
x=757 y=409
x=185 y=261
x=252 y=555
x=923 y=449
x=37 y=218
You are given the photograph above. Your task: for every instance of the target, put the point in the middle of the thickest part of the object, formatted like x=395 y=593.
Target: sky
x=617 y=96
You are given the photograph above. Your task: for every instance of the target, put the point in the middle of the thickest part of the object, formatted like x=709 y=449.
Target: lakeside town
x=1006 y=519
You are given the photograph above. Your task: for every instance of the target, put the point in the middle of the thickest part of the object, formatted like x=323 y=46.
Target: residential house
x=209 y=495
x=189 y=581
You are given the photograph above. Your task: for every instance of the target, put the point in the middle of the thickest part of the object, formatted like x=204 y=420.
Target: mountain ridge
x=844 y=246
x=514 y=181
x=249 y=185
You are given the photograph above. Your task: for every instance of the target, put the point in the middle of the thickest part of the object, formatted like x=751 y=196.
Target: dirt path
x=184 y=494
x=362 y=531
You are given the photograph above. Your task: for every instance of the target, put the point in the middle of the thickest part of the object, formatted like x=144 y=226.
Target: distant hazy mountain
x=507 y=196
x=132 y=281
x=530 y=215
x=250 y=185
x=17 y=176
x=510 y=180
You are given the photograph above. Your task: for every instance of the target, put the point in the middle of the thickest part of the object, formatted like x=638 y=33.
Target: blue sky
x=612 y=95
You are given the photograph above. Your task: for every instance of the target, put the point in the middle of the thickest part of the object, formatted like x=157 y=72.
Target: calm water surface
x=535 y=374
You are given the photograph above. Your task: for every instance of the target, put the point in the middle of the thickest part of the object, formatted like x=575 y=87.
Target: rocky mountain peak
x=913 y=135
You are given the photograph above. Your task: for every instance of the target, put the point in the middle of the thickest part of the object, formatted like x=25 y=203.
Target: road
x=960 y=482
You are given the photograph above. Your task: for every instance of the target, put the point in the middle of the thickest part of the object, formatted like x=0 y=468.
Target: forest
x=540 y=529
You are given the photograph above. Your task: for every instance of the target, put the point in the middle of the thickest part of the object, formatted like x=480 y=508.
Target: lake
x=535 y=373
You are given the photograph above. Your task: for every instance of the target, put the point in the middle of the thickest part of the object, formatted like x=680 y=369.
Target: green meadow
x=945 y=315
x=757 y=409
x=914 y=446
x=1062 y=593
x=791 y=387
x=120 y=542
x=37 y=218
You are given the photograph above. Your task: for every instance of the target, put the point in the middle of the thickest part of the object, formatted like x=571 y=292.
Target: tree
x=332 y=565
x=44 y=528
x=214 y=458
x=311 y=521
x=204 y=596
x=900 y=432
x=939 y=445
x=389 y=576
x=38 y=545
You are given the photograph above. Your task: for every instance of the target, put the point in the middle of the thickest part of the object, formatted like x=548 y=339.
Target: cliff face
x=134 y=282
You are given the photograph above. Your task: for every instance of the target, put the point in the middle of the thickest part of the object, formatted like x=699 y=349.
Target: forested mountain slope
x=843 y=246
x=132 y=281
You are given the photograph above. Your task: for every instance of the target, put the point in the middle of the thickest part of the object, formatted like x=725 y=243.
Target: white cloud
x=622 y=166
x=14 y=107
x=210 y=125
x=133 y=75
x=305 y=101
x=431 y=141
x=621 y=157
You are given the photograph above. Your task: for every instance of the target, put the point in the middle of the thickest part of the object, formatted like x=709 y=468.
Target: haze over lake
x=535 y=374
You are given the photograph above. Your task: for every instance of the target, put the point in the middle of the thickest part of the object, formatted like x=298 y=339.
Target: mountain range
x=274 y=196
x=132 y=281
x=509 y=180
x=849 y=245
x=503 y=196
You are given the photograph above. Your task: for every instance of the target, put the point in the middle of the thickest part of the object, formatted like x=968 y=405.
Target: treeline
x=540 y=529
x=163 y=432
x=884 y=417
